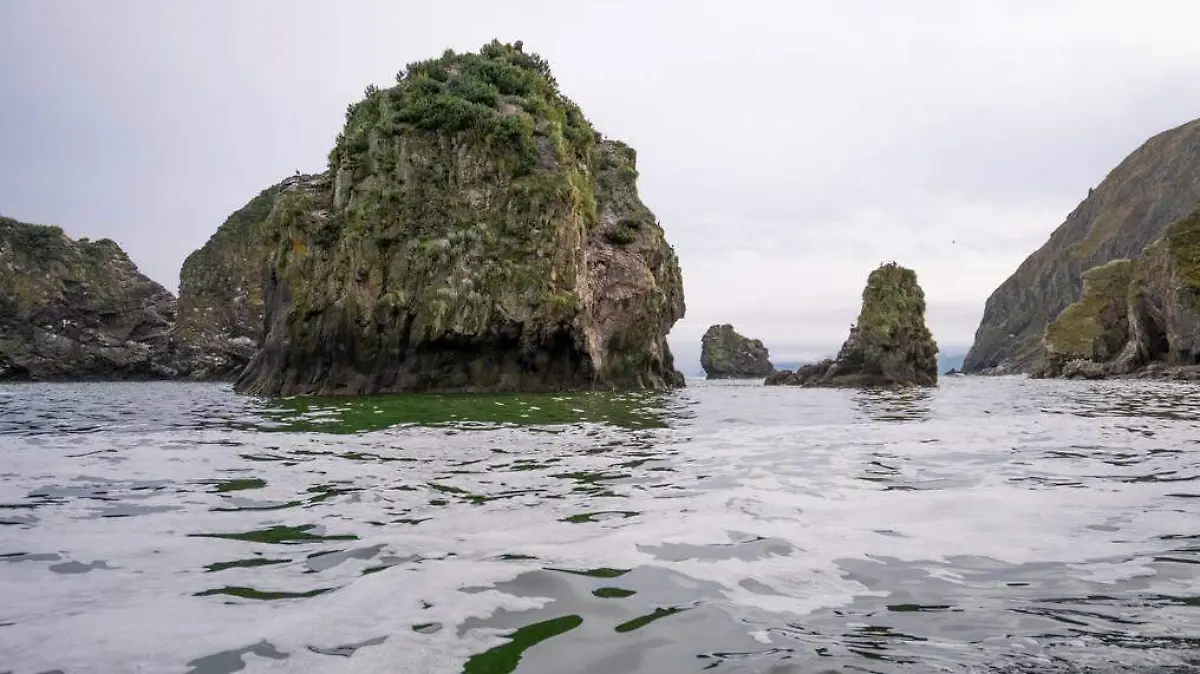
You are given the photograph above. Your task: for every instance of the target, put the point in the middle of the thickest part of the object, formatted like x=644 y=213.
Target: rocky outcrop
x=220 y=320
x=477 y=234
x=1136 y=317
x=724 y=354
x=889 y=345
x=72 y=310
x=1154 y=186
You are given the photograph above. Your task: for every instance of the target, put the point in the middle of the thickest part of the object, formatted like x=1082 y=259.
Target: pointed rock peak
x=889 y=345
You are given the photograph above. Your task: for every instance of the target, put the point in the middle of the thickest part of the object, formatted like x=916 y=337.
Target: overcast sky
x=787 y=147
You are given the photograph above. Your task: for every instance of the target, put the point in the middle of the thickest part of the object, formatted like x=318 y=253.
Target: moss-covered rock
x=1136 y=316
x=477 y=234
x=725 y=354
x=1131 y=208
x=220 y=320
x=889 y=345
x=1096 y=327
x=74 y=310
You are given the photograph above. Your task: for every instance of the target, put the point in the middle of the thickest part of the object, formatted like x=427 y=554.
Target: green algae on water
x=244 y=563
x=613 y=592
x=505 y=658
x=642 y=621
x=251 y=593
x=279 y=535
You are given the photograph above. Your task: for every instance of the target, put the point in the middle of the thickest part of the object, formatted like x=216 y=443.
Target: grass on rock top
x=498 y=95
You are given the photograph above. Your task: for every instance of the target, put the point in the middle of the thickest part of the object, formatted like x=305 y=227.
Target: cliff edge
x=1156 y=185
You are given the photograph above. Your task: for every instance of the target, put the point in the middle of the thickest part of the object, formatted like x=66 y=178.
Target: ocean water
x=989 y=525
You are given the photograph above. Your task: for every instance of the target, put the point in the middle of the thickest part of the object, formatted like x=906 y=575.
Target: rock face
x=477 y=234
x=78 y=309
x=1139 y=316
x=724 y=354
x=1156 y=185
x=889 y=345
x=220 y=320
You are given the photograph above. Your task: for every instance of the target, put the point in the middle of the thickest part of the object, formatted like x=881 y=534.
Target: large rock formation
x=889 y=345
x=220 y=320
x=1132 y=207
x=477 y=235
x=77 y=309
x=724 y=354
x=1139 y=316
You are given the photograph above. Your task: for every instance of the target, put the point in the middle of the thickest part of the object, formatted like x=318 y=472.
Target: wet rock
x=889 y=345
x=725 y=354
x=477 y=234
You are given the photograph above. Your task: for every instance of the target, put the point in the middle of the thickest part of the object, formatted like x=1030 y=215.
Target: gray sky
x=787 y=147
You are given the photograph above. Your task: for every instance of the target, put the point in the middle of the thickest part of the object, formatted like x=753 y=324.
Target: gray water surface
x=990 y=525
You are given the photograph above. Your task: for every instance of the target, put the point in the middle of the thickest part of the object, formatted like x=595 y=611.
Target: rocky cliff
x=889 y=345
x=477 y=234
x=1139 y=316
x=1157 y=184
x=77 y=309
x=220 y=321
x=725 y=354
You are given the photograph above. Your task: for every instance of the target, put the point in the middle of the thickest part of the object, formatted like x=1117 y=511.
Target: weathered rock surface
x=1138 y=317
x=477 y=235
x=78 y=309
x=889 y=345
x=725 y=354
x=1157 y=184
x=220 y=321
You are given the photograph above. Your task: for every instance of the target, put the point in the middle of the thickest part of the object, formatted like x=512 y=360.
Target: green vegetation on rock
x=77 y=309
x=1130 y=209
x=476 y=235
x=1135 y=315
x=889 y=345
x=725 y=354
x=1097 y=326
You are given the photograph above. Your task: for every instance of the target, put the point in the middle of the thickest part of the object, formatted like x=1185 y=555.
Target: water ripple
x=998 y=525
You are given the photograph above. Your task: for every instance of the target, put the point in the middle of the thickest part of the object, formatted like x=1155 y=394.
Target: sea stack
x=725 y=354
x=477 y=234
x=78 y=310
x=888 y=346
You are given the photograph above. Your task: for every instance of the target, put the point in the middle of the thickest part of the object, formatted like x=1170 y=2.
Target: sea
x=985 y=525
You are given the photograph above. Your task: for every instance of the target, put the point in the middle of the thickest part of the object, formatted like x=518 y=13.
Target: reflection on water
x=999 y=525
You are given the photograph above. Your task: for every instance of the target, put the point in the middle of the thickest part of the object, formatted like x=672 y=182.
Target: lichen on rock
x=477 y=234
x=725 y=354
x=75 y=310
x=889 y=345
